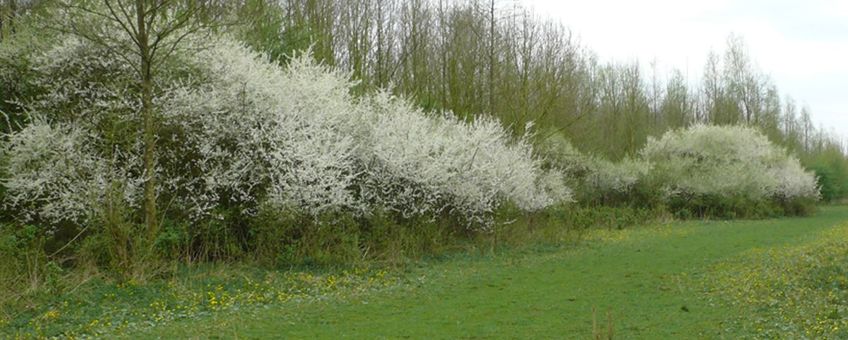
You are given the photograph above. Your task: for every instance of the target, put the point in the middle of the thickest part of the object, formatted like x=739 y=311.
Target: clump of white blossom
x=237 y=130
x=727 y=161
x=55 y=174
x=417 y=163
x=254 y=131
x=79 y=145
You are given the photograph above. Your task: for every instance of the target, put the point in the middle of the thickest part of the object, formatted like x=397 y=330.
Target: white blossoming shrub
x=793 y=181
x=557 y=152
x=726 y=165
x=416 y=163
x=56 y=176
x=80 y=141
x=237 y=132
x=253 y=131
x=296 y=137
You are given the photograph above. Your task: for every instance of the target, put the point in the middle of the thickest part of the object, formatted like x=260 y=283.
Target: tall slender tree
x=144 y=33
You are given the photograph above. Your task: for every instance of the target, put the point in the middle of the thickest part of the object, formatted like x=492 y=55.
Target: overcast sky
x=801 y=44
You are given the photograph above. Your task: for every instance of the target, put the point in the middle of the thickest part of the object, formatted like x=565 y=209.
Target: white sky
x=801 y=44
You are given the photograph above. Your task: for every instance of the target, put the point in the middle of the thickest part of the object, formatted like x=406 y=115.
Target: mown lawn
x=656 y=282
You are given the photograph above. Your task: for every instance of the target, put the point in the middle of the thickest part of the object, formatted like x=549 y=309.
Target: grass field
x=720 y=279
x=655 y=282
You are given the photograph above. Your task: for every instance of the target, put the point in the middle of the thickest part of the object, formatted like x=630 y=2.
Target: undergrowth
x=100 y=307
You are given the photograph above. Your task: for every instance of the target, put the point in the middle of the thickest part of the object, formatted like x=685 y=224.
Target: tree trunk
x=148 y=128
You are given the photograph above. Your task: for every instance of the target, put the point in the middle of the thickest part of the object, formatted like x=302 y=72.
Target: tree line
x=496 y=57
x=490 y=56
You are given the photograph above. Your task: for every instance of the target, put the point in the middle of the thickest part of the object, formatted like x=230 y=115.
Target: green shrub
x=25 y=269
x=831 y=168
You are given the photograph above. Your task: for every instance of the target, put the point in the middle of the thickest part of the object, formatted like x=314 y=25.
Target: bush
x=295 y=138
x=25 y=269
x=727 y=171
x=254 y=133
x=55 y=176
x=420 y=164
x=612 y=183
x=831 y=169
x=597 y=181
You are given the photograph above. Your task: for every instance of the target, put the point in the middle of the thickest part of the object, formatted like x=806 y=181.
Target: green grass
x=680 y=280
x=649 y=279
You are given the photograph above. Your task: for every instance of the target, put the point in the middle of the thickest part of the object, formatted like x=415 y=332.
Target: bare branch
x=127 y=25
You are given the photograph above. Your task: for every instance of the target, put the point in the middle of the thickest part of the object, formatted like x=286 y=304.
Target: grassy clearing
x=666 y=281
x=645 y=278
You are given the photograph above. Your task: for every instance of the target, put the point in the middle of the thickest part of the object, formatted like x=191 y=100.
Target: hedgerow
x=238 y=131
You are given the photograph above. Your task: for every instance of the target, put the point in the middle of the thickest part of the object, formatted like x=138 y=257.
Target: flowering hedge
x=238 y=131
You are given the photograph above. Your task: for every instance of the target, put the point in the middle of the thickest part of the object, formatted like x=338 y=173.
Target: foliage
x=27 y=269
x=597 y=180
x=831 y=170
x=262 y=25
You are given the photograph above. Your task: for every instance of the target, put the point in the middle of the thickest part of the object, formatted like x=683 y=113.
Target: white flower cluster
x=241 y=131
x=417 y=163
x=84 y=84
x=54 y=174
x=727 y=161
x=254 y=131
